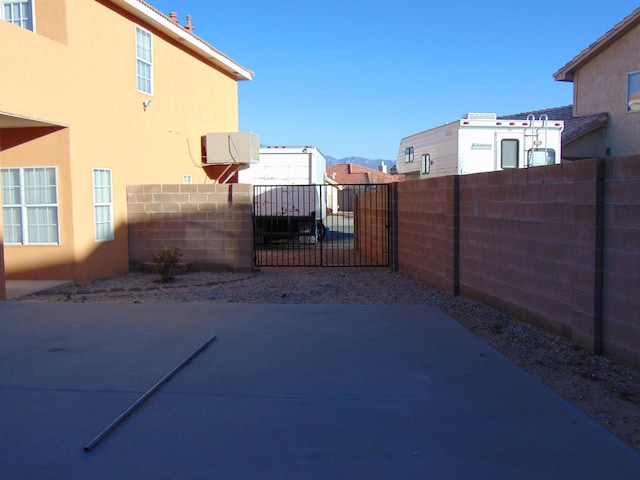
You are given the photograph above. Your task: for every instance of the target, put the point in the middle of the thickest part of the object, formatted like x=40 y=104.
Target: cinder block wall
x=210 y=224
x=371 y=224
x=426 y=234
x=621 y=263
x=555 y=246
x=529 y=245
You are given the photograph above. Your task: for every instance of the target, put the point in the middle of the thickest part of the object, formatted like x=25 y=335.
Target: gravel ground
x=603 y=389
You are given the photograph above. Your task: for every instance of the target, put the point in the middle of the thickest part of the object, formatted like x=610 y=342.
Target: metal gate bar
x=321 y=225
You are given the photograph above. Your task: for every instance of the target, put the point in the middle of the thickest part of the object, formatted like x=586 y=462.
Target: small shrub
x=167 y=261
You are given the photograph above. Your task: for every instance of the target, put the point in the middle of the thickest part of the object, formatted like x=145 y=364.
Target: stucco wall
x=601 y=86
x=3 y=285
x=211 y=224
x=26 y=147
x=79 y=70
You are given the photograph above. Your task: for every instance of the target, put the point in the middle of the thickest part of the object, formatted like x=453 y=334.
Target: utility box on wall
x=224 y=148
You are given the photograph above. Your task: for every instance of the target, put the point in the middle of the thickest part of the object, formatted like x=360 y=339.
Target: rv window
x=541 y=156
x=408 y=155
x=426 y=163
x=509 y=148
x=633 y=92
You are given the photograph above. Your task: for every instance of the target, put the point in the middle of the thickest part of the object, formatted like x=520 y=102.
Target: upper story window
x=19 y=13
x=408 y=154
x=633 y=92
x=144 y=58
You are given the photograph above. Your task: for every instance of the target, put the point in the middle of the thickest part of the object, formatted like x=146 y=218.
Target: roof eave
x=563 y=76
x=566 y=73
x=154 y=18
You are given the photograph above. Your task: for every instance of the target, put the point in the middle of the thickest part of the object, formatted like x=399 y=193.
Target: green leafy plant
x=167 y=261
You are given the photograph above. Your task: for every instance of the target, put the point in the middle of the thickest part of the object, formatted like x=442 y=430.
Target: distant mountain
x=364 y=162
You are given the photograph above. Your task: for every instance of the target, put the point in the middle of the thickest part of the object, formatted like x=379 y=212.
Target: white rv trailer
x=288 y=199
x=480 y=142
x=286 y=166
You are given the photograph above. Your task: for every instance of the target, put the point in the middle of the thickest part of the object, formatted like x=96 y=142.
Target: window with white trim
x=19 y=13
x=633 y=92
x=144 y=59
x=30 y=206
x=102 y=204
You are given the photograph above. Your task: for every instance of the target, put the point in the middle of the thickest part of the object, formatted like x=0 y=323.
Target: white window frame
x=103 y=205
x=633 y=92
x=29 y=5
x=142 y=62
x=34 y=209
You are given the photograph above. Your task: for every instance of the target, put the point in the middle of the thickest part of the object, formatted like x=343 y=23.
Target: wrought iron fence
x=322 y=225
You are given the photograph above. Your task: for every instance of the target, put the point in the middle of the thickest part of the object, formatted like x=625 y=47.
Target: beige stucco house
x=606 y=83
x=98 y=95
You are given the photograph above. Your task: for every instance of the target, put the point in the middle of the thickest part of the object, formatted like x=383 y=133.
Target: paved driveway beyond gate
x=284 y=392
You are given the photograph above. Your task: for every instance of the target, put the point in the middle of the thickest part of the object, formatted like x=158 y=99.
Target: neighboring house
x=354 y=179
x=98 y=95
x=352 y=174
x=606 y=78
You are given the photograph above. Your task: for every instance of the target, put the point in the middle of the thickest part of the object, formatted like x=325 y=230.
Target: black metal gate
x=322 y=225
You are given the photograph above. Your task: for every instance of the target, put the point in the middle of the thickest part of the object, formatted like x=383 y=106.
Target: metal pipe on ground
x=93 y=443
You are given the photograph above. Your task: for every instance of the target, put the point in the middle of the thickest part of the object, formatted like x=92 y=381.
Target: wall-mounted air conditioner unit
x=230 y=147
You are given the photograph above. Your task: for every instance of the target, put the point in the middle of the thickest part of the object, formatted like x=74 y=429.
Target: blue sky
x=354 y=77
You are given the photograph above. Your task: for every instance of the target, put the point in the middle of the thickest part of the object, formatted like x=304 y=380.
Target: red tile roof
x=574 y=127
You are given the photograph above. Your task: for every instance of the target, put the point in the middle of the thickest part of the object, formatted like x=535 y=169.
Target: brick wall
x=529 y=245
x=371 y=222
x=210 y=224
x=426 y=231
x=556 y=246
x=621 y=262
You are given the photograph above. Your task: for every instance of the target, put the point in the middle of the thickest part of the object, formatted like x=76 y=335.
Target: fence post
x=456 y=235
x=393 y=225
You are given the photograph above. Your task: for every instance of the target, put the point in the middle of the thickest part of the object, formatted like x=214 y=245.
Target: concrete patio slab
x=285 y=391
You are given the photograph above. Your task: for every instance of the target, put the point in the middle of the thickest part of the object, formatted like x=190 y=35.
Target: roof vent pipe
x=188 y=26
